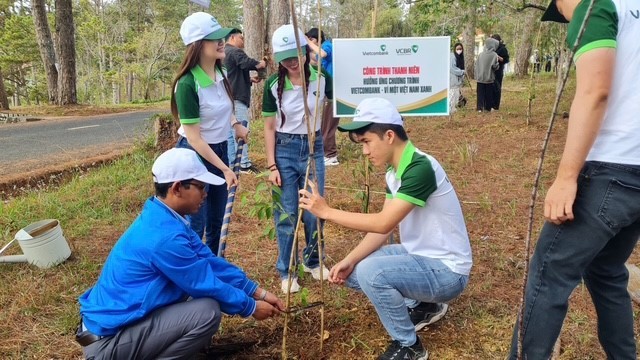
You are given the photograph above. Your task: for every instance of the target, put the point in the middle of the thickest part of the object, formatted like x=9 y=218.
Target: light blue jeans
x=242 y=114
x=393 y=280
x=207 y=221
x=292 y=154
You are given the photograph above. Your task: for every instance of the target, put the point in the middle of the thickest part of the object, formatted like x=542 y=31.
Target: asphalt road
x=49 y=138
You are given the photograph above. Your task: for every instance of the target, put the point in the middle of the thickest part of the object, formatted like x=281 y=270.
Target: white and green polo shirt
x=292 y=104
x=202 y=100
x=435 y=228
x=614 y=24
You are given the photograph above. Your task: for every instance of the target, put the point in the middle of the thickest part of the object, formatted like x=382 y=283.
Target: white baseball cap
x=283 y=43
x=199 y=26
x=180 y=164
x=373 y=110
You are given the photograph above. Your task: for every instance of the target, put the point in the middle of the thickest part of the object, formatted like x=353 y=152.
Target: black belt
x=86 y=338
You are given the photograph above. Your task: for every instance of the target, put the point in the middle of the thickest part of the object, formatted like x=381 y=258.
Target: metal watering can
x=42 y=244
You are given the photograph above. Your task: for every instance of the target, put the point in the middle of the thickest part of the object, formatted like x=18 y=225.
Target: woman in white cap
x=203 y=103
x=287 y=147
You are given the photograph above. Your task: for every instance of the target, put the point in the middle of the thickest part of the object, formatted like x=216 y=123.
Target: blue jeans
x=292 y=155
x=594 y=247
x=208 y=220
x=242 y=114
x=393 y=280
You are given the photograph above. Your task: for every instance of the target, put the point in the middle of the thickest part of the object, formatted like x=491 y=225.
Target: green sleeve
x=269 y=102
x=328 y=85
x=187 y=100
x=388 y=195
x=601 y=30
x=418 y=183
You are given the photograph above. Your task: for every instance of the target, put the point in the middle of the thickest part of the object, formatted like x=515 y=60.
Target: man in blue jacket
x=162 y=291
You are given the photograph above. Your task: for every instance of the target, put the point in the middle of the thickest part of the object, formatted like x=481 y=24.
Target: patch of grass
x=468 y=152
x=89 y=207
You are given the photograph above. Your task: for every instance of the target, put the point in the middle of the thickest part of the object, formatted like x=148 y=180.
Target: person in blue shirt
x=322 y=50
x=162 y=291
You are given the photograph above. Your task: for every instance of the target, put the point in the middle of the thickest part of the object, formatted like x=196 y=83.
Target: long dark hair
x=191 y=60
x=315 y=34
x=282 y=73
x=459 y=58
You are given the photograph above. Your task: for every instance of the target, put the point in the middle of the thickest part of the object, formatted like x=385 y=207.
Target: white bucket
x=46 y=249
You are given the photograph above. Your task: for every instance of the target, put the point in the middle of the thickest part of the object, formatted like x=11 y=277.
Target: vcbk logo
x=383 y=47
x=407 y=50
x=285 y=39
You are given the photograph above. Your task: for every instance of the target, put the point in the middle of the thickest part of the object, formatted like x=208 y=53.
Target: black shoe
x=395 y=351
x=250 y=170
x=427 y=313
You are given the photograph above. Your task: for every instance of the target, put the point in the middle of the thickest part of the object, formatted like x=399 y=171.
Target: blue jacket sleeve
x=327 y=46
x=180 y=262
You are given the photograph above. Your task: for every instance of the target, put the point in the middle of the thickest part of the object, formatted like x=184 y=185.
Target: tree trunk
x=561 y=59
x=279 y=15
x=45 y=45
x=115 y=84
x=4 y=100
x=563 y=64
x=524 y=46
x=130 y=80
x=102 y=68
x=67 y=45
x=253 y=14
x=469 y=40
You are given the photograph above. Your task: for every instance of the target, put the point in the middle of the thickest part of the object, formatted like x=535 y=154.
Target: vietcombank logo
x=407 y=50
x=382 y=51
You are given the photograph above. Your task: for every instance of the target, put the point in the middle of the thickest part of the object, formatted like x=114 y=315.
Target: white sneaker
x=331 y=161
x=294 y=285
x=315 y=272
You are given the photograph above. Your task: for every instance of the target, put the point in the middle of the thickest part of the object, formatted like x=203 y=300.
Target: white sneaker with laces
x=315 y=272
x=331 y=161
x=295 y=287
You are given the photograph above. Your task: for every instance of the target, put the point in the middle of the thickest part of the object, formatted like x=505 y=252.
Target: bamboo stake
x=534 y=192
x=311 y=162
x=367 y=182
x=374 y=14
x=320 y=242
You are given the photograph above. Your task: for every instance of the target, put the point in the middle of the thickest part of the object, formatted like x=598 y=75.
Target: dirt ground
x=490 y=159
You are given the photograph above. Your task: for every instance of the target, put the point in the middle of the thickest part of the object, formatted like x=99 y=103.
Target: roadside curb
x=19 y=184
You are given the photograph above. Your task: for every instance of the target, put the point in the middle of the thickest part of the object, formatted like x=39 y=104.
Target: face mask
x=459 y=52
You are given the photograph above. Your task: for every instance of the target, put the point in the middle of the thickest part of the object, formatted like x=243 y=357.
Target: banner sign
x=412 y=73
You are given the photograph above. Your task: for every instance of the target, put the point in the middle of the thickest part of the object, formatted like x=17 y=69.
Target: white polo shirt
x=292 y=105
x=204 y=101
x=435 y=228
x=614 y=24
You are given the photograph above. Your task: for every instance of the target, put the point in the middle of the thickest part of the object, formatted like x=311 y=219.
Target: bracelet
x=235 y=123
x=264 y=295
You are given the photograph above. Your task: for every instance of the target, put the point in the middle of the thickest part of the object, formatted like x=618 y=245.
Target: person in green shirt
x=203 y=103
